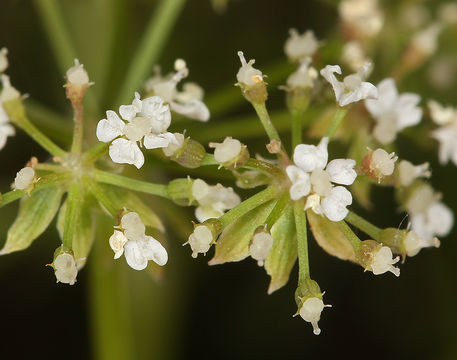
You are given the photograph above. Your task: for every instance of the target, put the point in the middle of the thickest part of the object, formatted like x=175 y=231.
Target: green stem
x=132 y=184
x=302 y=241
x=78 y=130
x=96 y=152
x=74 y=203
x=353 y=238
x=247 y=205
x=297 y=120
x=364 y=225
x=336 y=122
x=152 y=43
x=262 y=113
x=277 y=211
x=104 y=201
x=49 y=167
x=46 y=143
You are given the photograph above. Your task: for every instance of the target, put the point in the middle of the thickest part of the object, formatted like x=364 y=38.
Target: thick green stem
x=297 y=120
x=353 y=238
x=96 y=152
x=302 y=241
x=336 y=122
x=364 y=225
x=277 y=211
x=132 y=184
x=74 y=203
x=247 y=205
x=264 y=117
x=152 y=43
x=104 y=201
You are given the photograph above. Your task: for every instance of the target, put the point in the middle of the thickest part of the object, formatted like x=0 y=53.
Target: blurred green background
x=196 y=311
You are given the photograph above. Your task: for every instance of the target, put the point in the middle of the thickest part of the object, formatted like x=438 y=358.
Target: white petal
x=203 y=213
x=334 y=206
x=342 y=171
x=134 y=254
x=310 y=157
x=128 y=112
x=328 y=74
x=299 y=189
x=123 y=151
x=153 y=250
x=366 y=90
x=409 y=113
x=387 y=97
x=441 y=218
x=152 y=141
x=194 y=109
x=158 y=113
x=110 y=128
x=5 y=131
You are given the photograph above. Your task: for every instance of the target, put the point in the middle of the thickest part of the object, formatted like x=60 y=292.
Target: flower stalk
x=360 y=223
x=302 y=242
x=336 y=121
x=264 y=117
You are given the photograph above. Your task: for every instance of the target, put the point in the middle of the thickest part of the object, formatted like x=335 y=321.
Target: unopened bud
x=180 y=191
x=77 y=82
x=231 y=153
x=203 y=236
x=24 y=179
x=188 y=153
x=64 y=265
x=261 y=245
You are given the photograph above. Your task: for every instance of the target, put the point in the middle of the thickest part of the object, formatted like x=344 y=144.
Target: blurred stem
x=364 y=225
x=96 y=152
x=302 y=241
x=353 y=238
x=132 y=184
x=297 y=121
x=152 y=43
x=262 y=113
x=74 y=204
x=247 y=205
x=336 y=122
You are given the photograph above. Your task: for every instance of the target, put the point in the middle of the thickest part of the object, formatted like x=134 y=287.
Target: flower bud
x=377 y=258
x=407 y=172
x=405 y=242
x=180 y=191
x=24 y=179
x=250 y=80
x=261 y=245
x=250 y=179
x=378 y=164
x=204 y=235
x=117 y=242
x=77 y=82
x=231 y=153
x=188 y=153
x=64 y=265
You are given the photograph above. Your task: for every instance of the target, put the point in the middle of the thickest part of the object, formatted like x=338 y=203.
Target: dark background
x=223 y=311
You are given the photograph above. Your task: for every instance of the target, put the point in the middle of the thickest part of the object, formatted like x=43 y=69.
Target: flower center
x=137 y=128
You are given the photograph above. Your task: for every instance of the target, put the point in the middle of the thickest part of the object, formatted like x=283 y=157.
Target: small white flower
x=393 y=112
x=353 y=87
x=3 y=59
x=247 y=75
x=311 y=312
x=429 y=216
x=77 y=75
x=364 y=16
x=446 y=134
x=24 y=178
x=407 y=172
x=311 y=176
x=6 y=129
x=187 y=102
x=382 y=261
x=212 y=201
x=300 y=46
x=65 y=268
x=413 y=243
x=147 y=123
x=8 y=91
x=304 y=77
x=200 y=240
x=137 y=247
x=379 y=163
x=354 y=55
x=426 y=41
x=261 y=245
x=227 y=151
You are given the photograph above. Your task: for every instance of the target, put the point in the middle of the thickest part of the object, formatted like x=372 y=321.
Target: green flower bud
x=180 y=191
x=189 y=153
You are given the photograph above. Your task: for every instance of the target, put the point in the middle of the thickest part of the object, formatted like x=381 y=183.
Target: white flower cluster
x=311 y=176
x=429 y=216
x=214 y=200
x=353 y=88
x=7 y=93
x=144 y=122
x=446 y=134
x=393 y=112
x=187 y=102
x=137 y=247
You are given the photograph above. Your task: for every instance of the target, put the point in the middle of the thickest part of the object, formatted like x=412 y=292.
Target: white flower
x=187 y=102
x=413 y=243
x=354 y=55
x=382 y=261
x=353 y=87
x=407 y=172
x=213 y=201
x=311 y=175
x=247 y=75
x=303 y=77
x=77 y=75
x=172 y=147
x=311 y=312
x=393 y=112
x=379 y=163
x=200 y=240
x=446 y=134
x=227 y=151
x=65 y=268
x=3 y=59
x=24 y=178
x=261 y=245
x=362 y=15
x=147 y=123
x=299 y=47
x=426 y=41
x=5 y=128
x=137 y=247
x=429 y=216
